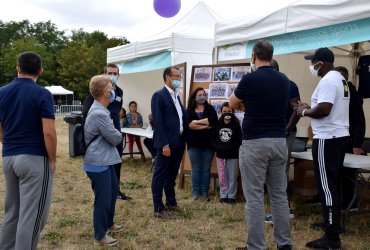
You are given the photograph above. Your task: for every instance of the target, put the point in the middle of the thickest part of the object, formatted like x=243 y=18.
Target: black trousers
x=164 y=176
x=328 y=157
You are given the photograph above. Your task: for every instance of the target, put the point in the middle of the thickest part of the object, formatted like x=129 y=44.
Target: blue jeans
x=105 y=186
x=200 y=159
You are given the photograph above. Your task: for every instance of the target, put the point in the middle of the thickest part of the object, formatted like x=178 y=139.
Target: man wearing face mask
x=114 y=108
x=169 y=140
x=263 y=153
x=330 y=126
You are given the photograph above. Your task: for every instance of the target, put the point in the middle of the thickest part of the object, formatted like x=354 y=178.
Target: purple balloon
x=167 y=8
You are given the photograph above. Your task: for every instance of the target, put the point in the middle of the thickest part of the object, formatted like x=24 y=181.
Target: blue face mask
x=114 y=79
x=112 y=97
x=176 y=84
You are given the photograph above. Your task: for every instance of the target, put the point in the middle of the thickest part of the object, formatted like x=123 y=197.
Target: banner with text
x=333 y=35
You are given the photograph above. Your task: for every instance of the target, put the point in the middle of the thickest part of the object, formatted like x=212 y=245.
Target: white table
x=143 y=132
x=360 y=163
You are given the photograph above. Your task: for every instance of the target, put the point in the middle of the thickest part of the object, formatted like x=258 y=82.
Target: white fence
x=61 y=110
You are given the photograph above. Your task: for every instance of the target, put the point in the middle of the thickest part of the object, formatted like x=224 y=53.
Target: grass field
x=200 y=224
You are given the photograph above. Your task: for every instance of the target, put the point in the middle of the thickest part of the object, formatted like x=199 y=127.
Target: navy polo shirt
x=265 y=93
x=23 y=104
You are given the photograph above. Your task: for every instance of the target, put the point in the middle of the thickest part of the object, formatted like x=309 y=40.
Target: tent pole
x=355 y=56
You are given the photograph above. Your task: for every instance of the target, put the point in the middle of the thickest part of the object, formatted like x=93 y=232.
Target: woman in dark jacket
x=202 y=117
x=226 y=142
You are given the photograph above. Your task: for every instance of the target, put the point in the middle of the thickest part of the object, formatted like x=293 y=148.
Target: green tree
x=8 y=60
x=84 y=57
x=79 y=63
x=67 y=61
x=17 y=37
x=12 y=31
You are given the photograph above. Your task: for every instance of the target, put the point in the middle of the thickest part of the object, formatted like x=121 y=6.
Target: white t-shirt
x=332 y=89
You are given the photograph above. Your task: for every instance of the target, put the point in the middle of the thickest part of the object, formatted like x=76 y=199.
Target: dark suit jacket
x=165 y=118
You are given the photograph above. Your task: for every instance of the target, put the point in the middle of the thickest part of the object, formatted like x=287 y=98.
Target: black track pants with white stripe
x=328 y=156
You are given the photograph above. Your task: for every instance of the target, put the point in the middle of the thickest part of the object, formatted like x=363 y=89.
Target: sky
x=133 y=19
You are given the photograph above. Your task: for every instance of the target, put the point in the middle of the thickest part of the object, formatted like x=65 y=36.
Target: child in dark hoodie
x=226 y=142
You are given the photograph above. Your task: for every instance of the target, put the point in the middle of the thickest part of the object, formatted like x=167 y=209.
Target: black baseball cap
x=322 y=54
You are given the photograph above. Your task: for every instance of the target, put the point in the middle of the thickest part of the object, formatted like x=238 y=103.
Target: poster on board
x=203 y=74
x=218 y=90
x=222 y=74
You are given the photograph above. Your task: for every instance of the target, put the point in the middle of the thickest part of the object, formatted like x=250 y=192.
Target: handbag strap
x=93 y=139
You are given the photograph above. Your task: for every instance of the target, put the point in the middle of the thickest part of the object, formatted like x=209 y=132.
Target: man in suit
x=169 y=140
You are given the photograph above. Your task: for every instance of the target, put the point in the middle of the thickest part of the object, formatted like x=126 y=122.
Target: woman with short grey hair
x=101 y=155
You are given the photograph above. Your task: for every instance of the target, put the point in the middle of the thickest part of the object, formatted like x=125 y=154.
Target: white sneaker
x=268 y=218
x=106 y=241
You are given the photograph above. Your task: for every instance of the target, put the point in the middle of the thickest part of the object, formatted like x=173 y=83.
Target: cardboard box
x=305 y=183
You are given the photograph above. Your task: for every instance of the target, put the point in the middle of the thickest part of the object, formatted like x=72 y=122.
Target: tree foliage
x=69 y=61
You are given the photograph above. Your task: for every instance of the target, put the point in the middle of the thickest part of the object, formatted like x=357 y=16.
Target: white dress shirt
x=176 y=99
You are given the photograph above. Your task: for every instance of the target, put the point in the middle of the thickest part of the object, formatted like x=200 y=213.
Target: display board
x=140 y=87
x=219 y=82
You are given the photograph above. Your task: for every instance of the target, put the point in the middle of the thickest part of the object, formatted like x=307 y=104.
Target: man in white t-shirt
x=330 y=123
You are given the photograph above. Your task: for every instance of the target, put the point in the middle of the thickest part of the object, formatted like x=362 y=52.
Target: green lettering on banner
x=333 y=35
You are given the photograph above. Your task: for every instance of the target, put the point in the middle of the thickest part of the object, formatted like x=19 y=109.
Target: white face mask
x=314 y=72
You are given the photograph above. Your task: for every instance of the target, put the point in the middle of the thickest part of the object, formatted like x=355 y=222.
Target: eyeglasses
x=112 y=73
x=178 y=76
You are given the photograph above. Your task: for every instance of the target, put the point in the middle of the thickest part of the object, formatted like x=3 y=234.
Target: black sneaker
x=124 y=197
x=224 y=200
x=231 y=201
x=324 y=244
x=285 y=247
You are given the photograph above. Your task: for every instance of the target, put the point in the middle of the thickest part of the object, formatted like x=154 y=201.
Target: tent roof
x=59 y=90
x=196 y=26
x=297 y=16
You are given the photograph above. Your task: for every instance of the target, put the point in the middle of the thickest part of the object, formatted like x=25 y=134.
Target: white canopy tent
x=298 y=29
x=141 y=63
x=297 y=16
x=189 y=40
x=59 y=91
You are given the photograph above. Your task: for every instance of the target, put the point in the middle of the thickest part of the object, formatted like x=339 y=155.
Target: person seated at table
x=148 y=142
x=134 y=120
x=122 y=117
